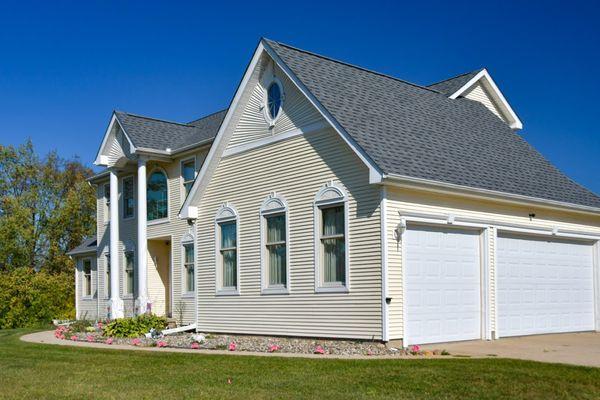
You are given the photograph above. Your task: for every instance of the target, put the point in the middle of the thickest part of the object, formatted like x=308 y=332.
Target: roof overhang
x=486 y=80
x=486 y=194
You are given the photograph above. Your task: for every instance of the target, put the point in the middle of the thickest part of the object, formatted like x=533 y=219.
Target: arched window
x=331 y=239
x=228 y=256
x=275 y=254
x=273 y=100
x=157 y=196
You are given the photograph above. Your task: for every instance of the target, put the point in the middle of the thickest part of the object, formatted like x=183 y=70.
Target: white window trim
x=274 y=204
x=182 y=180
x=123 y=179
x=83 y=295
x=330 y=195
x=187 y=239
x=168 y=217
x=226 y=213
x=272 y=79
x=129 y=248
x=106 y=204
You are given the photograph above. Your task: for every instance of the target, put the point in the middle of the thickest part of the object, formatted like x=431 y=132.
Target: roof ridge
x=206 y=116
x=476 y=71
x=354 y=66
x=153 y=118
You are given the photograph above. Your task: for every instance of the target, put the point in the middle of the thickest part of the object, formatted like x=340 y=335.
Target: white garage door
x=443 y=297
x=544 y=286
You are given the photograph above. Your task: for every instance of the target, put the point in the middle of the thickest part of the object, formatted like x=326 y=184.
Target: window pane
x=188 y=171
x=157 y=196
x=190 y=278
x=334 y=260
x=228 y=235
x=229 y=268
x=87 y=277
x=107 y=281
x=274 y=100
x=333 y=220
x=189 y=267
x=128 y=200
x=277 y=264
x=189 y=254
x=129 y=272
x=275 y=228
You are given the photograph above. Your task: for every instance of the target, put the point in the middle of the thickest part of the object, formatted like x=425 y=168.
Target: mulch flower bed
x=262 y=344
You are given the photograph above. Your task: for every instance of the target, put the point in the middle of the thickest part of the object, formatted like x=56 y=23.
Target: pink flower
x=109 y=340
x=369 y=352
x=90 y=338
x=319 y=350
x=73 y=337
x=99 y=325
x=415 y=349
x=61 y=337
x=273 y=348
x=232 y=346
x=195 y=346
x=136 y=342
x=160 y=343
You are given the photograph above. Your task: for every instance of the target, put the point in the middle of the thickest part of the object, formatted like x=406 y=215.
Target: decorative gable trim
x=217 y=150
x=101 y=157
x=488 y=83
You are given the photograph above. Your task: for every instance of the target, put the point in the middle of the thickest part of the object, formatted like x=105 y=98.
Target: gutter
x=451 y=188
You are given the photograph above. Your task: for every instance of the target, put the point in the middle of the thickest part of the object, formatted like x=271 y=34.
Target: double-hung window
x=188 y=266
x=188 y=174
x=275 y=247
x=331 y=239
x=129 y=272
x=227 y=252
x=128 y=197
x=87 y=277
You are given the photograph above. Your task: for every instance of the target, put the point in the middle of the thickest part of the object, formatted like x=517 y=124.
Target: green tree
x=46 y=208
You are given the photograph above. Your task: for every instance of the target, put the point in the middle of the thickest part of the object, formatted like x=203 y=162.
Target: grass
x=48 y=371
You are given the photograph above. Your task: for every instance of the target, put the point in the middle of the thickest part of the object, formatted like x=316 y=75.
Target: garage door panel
x=544 y=286
x=442 y=285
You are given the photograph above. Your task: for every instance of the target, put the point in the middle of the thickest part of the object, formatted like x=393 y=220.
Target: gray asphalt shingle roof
x=451 y=85
x=416 y=131
x=89 y=245
x=158 y=134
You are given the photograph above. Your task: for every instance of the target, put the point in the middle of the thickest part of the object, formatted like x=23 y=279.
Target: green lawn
x=32 y=371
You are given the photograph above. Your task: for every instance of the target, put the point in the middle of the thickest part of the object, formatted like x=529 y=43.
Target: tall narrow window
x=107 y=290
x=129 y=272
x=106 y=203
x=157 y=196
x=128 y=197
x=331 y=239
x=229 y=254
x=276 y=250
x=188 y=266
x=188 y=174
x=87 y=277
x=333 y=245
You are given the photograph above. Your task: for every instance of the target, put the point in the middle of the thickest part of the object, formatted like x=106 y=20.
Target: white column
x=142 y=243
x=116 y=303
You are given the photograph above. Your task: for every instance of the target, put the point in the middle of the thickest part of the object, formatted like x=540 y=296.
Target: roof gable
x=410 y=130
x=452 y=85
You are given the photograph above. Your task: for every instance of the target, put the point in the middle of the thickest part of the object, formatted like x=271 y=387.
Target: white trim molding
x=226 y=213
x=274 y=204
x=271 y=79
x=385 y=328
x=166 y=175
x=330 y=195
x=189 y=238
x=513 y=120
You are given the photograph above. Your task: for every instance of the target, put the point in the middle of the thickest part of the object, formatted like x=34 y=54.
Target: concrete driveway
x=569 y=348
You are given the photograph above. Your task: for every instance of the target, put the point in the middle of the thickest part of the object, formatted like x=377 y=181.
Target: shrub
x=30 y=299
x=81 y=325
x=134 y=327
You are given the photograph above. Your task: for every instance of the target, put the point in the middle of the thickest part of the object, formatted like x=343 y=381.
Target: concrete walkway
x=567 y=348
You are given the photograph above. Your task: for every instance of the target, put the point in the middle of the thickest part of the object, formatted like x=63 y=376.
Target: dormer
x=479 y=86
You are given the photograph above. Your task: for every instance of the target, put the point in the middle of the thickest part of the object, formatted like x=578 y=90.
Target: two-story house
x=329 y=200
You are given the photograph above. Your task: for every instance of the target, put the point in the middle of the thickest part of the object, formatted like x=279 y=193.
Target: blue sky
x=64 y=66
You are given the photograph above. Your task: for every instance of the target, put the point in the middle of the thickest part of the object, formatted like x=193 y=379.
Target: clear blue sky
x=64 y=66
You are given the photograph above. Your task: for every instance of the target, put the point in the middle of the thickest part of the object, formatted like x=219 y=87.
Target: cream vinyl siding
x=171 y=229
x=480 y=94
x=87 y=308
x=406 y=201
x=296 y=111
x=295 y=169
